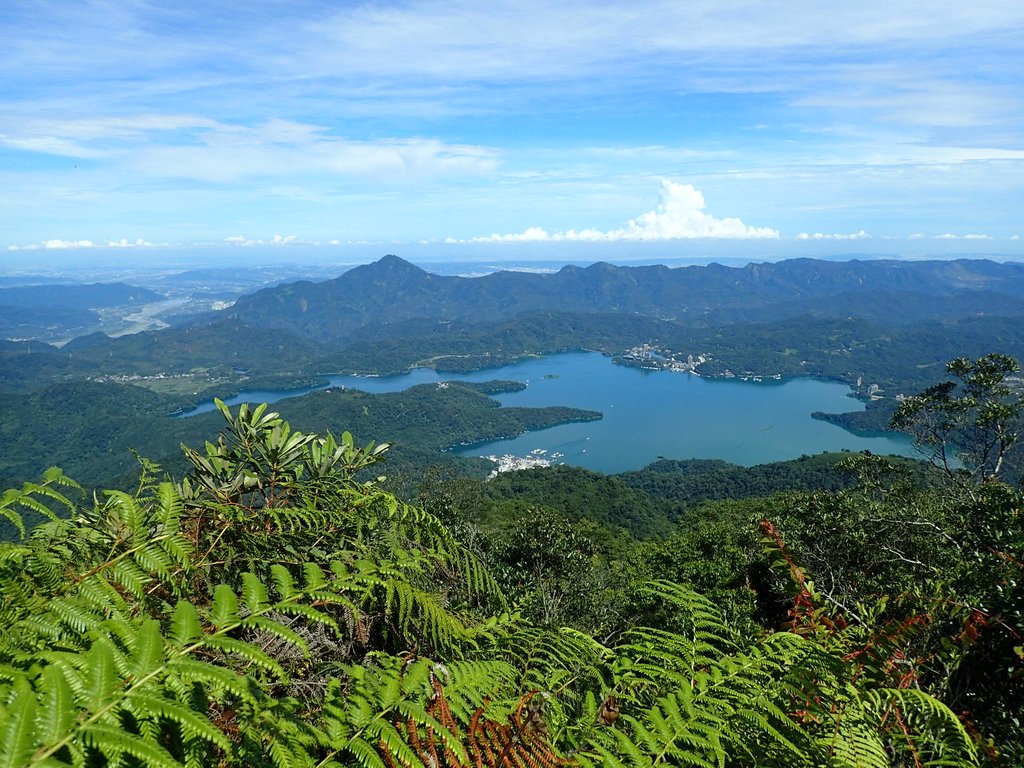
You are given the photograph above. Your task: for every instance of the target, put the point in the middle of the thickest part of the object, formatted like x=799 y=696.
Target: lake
x=649 y=414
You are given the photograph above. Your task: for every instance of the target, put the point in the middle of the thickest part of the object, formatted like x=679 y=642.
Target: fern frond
x=33 y=497
x=469 y=684
x=225 y=606
x=930 y=729
x=192 y=725
x=185 y=624
x=113 y=742
x=148 y=651
x=540 y=655
x=57 y=711
x=18 y=727
x=239 y=653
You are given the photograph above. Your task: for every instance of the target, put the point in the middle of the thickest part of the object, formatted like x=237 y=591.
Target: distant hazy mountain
x=392 y=290
x=89 y=296
x=44 y=322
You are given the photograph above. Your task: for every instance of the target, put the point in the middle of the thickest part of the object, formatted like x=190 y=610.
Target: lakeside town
x=538 y=457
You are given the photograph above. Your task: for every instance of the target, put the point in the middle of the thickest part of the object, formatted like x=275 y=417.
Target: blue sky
x=453 y=125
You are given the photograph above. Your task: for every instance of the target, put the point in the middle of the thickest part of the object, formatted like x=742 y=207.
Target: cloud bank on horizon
x=124 y=125
x=679 y=216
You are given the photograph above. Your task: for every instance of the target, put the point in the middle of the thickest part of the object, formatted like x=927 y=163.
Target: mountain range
x=392 y=290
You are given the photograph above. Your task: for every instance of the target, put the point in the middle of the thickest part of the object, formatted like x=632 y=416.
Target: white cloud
x=195 y=136
x=67 y=245
x=125 y=243
x=51 y=145
x=275 y=240
x=951 y=236
x=185 y=146
x=922 y=155
x=915 y=96
x=680 y=215
x=861 y=235
x=92 y=138
x=526 y=38
x=514 y=38
x=224 y=158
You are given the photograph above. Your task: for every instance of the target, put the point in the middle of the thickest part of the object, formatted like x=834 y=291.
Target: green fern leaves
x=272 y=611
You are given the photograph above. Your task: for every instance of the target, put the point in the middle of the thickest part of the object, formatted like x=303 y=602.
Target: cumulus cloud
x=862 y=235
x=65 y=244
x=680 y=215
x=951 y=236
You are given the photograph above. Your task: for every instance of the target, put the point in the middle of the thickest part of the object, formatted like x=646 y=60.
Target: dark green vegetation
x=688 y=482
x=577 y=494
x=651 y=501
x=276 y=607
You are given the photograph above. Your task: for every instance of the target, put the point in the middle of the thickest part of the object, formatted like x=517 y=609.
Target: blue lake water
x=650 y=414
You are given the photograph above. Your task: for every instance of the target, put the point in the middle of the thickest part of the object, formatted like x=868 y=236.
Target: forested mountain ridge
x=393 y=289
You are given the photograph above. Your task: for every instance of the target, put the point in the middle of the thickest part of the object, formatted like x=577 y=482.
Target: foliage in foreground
x=273 y=610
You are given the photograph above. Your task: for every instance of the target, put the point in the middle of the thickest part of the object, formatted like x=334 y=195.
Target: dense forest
x=271 y=604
